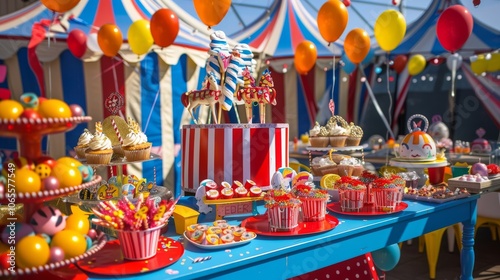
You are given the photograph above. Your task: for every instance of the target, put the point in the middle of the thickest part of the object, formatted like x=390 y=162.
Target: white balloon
x=454 y=59
x=92 y=43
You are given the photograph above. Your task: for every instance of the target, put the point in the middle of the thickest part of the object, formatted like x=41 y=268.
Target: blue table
x=280 y=258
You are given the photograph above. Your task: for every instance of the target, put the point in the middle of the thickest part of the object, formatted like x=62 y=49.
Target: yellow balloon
x=389 y=29
x=494 y=62
x=139 y=36
x=478 y=64
x=78 y=222
x=416 y=64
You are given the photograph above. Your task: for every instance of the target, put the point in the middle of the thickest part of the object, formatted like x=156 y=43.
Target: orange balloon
x=211 y=12
x=164 y=27
x=332 y=20
x=60 y=6
x=110 y=39
x=357 y=45
x=305 y=56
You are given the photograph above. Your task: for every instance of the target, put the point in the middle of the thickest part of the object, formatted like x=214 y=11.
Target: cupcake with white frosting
x=100 y=149
x=135 y=144
x=83 y=143
x=318 y=136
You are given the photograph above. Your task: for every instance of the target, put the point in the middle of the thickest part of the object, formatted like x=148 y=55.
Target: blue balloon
x=349 y=67
x=387 y=258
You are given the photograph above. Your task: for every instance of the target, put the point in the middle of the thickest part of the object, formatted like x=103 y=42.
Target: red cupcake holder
x=351 y=200
x=283 y=218
x=387 y=199
x=313 y=209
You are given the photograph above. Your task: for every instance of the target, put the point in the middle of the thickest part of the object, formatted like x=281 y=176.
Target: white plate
x=220 y=246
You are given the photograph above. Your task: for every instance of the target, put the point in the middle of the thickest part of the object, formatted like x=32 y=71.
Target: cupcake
x=386 y=194
x=100 y=149
x=313 y=202
x=318 y=136
x=83 y=143
x=368 y=177
x=282 y=210
x=337 y=133
x=135 y=144
x=351 y=193
x=355 y=135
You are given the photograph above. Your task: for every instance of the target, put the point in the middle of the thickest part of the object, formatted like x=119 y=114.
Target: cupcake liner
x=387 y=199
x=337 y=141
x=98 y=158
x=329 y=169
x=320 y=141
x=133 y=155
x=352 y=141
x=313 y=209
x=139 y=245
x=358 y=170
x=283 y=218
x=351 y=200
x=80 y=152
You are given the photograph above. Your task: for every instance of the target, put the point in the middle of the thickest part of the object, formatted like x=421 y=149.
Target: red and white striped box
x=229 y=152
x=140 y=244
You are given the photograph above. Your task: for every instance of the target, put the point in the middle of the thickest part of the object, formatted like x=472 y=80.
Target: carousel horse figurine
x=208 y=96
x=262 y=94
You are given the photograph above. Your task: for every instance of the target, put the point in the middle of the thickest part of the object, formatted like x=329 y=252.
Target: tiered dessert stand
x=29 y=134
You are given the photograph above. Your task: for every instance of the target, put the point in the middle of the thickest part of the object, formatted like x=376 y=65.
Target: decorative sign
x=234 y=208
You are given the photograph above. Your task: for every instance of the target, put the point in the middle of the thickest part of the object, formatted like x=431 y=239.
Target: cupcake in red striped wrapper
x=401 y=184
x=282 y=210
x=313 y=202
x=351 y=194
x=385 y=194
x=368 y=177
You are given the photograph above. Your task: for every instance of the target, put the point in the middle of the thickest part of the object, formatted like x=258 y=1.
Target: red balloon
x=164 y=27
x=347 y=3
x=400 y=63
x=454 y=27
x=77 y=42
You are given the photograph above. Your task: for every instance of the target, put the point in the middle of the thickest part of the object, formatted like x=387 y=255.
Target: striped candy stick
x=233 y=78
x=118 y=134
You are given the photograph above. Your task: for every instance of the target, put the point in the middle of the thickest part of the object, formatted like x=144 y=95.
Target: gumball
x=10 y=109
x=43 y=170
x=78 y=222
x=29 y=100
x=48 y=220
x=92 y=233
x=54 y=108
x=87 y=173
x=50 y=183
x=68 y=176
x=46 y=160
x=71 y=242
x=69 y=161
x=27 y=181
x=56 y=255
x=76 y=110
x=89 y=241
x=32 y=251
x=31 y=114
x=16 y=232
x=5 y=261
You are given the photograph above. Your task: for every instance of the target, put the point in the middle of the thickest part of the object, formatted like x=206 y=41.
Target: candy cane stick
x=118 y=134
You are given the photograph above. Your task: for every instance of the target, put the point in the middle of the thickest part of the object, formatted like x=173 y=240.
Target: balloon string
x=375 y=103
x=151 y=111
x=333 y=79
x=389 y=93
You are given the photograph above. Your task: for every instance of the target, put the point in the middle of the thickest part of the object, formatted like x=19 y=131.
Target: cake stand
x=435 y=169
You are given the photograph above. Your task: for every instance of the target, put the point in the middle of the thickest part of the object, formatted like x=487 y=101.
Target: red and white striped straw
x=115 y=127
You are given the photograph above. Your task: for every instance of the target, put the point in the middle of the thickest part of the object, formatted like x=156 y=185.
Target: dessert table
x=277 y=257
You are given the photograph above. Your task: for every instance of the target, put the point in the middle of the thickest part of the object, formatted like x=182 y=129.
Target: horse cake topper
x=230 y=81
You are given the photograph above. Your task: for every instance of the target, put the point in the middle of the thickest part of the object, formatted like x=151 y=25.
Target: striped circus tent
x=150 y=85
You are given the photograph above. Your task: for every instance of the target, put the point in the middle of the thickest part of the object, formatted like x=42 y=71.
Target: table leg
x=467 y=255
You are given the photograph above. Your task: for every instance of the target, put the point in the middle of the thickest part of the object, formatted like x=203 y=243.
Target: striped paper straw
x=118 y=134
